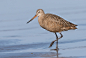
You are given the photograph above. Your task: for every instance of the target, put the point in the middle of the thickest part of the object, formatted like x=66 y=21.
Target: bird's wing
x=60 y=21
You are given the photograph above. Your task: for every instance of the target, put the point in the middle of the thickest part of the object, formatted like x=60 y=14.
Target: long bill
x=32 y=18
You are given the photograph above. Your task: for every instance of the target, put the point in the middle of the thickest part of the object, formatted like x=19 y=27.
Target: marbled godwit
x=53 y=23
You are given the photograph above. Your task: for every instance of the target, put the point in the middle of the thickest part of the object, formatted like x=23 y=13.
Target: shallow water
x=21 y=40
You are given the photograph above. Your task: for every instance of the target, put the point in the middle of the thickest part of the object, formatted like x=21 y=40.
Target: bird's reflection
x=56 y=43
x=57 y=49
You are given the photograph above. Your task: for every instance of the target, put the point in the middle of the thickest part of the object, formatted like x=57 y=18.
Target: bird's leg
x=52 y=43
x=54 y=40
x=61 y=36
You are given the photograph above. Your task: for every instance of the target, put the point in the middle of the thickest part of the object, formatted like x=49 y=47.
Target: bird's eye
x=38 y=11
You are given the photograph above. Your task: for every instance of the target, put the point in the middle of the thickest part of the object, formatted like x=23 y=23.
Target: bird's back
x=54 y=23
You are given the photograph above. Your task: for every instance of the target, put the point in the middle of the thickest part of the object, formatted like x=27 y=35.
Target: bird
x=53 y=23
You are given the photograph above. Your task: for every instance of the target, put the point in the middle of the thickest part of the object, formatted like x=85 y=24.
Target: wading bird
x=53 y=23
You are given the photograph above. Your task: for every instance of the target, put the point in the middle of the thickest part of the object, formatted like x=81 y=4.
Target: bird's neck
x=41 y=15
x=40 y=19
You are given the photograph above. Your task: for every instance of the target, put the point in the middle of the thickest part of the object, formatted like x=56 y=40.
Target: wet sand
x=32 y=55
x=23 y=51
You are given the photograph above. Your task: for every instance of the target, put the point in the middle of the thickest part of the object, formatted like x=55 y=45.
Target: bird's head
x=39 y=13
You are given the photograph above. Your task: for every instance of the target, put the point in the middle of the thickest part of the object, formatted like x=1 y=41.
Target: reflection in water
x=57 y=48
x=56 y=43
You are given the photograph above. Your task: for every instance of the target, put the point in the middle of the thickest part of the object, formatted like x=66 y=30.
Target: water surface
x=21 y=40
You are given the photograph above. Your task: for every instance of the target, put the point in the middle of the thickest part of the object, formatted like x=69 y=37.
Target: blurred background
x=17 y=37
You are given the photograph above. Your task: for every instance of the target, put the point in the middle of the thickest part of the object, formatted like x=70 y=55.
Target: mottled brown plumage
x=53 y=23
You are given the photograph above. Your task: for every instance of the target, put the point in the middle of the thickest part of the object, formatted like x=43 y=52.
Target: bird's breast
x=40 y=20
x=48 y=25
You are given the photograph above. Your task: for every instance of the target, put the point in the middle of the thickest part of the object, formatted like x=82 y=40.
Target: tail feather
x=74 y=27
